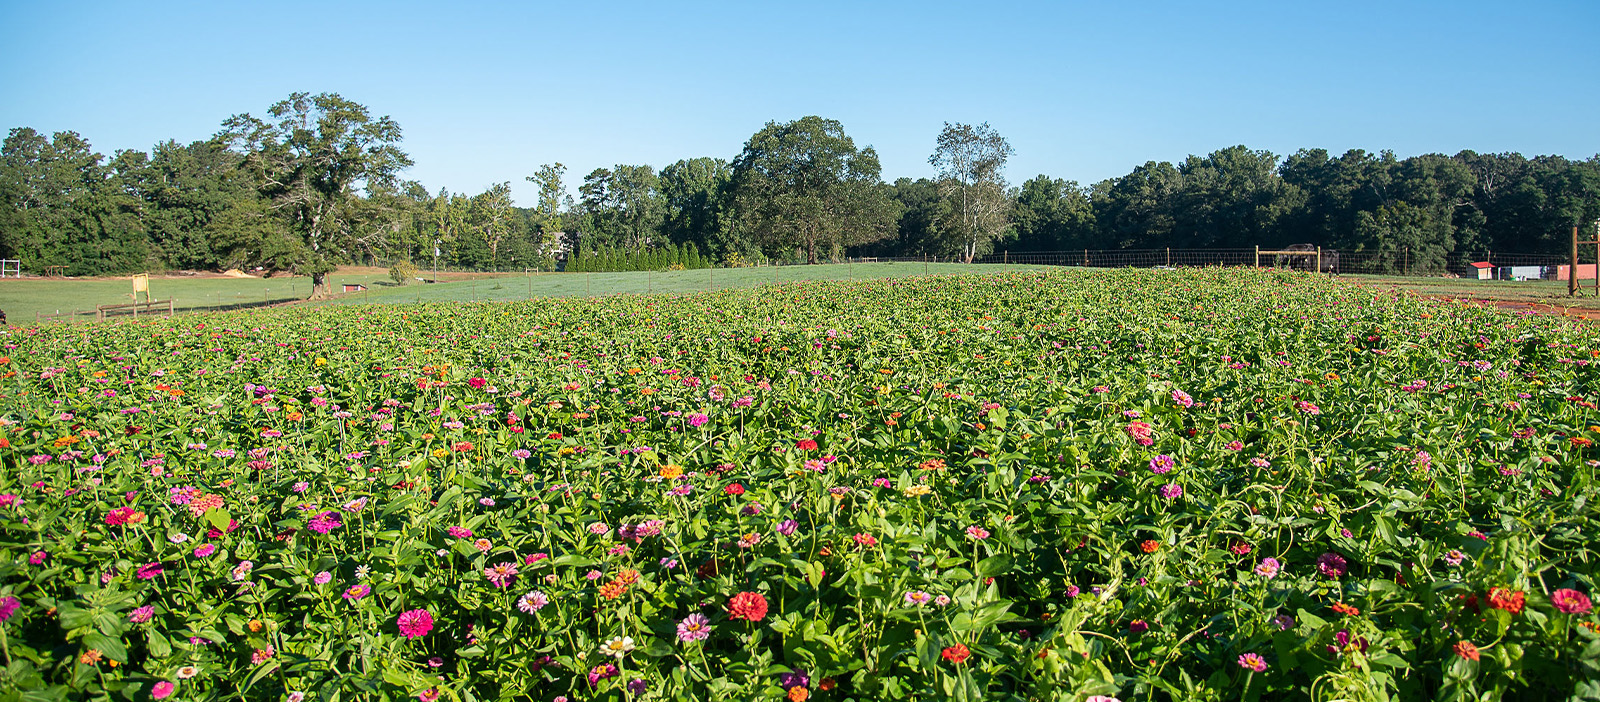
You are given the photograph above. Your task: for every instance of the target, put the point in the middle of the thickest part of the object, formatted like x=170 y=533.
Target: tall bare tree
x=971 y=161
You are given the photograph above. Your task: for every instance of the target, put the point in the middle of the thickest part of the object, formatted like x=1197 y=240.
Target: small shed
x=354 y=287
x=1485 y=269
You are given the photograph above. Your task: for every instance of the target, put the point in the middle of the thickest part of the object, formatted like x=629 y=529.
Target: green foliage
x=403 y=272
x=804 y=186
x=309 y=163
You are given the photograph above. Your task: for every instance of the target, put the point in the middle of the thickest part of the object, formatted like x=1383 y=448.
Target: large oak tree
x=313 y=161
x=804 y=185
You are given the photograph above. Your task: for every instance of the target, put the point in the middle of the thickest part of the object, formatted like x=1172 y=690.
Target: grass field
x=23 y=299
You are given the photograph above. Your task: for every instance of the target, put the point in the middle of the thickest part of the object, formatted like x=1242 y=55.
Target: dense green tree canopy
x=804 y=185
x=312 y=163
x=317 y=183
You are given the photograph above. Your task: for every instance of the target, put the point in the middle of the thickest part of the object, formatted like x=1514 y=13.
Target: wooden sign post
x=141 y=284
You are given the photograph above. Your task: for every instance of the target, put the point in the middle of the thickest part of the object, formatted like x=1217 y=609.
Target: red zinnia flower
x=806 y=445
x=1466 y=650
x=750 y=606
x=1502 y=598
x=734 y=489
x=956 y=653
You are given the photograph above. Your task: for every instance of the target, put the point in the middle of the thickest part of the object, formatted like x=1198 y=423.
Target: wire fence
x=1397 y=262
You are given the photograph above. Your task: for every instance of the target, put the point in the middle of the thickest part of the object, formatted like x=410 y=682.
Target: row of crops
x=1192 y=484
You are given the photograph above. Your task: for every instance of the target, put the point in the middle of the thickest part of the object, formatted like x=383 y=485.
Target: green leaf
x=218 y=518
x=112 y=648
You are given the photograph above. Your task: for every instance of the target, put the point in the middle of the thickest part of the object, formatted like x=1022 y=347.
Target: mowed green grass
x=520 y=286
x=22 y=299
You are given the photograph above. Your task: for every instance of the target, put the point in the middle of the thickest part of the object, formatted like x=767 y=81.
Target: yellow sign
x=141 y=284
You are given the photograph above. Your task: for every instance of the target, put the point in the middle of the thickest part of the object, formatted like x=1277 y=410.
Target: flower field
x=1196 y=484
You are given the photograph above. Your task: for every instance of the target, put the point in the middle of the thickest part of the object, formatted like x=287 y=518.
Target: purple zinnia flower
x=793 y=680
x=1172 y=491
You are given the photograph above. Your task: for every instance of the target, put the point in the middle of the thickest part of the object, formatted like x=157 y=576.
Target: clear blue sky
x=1086 y=91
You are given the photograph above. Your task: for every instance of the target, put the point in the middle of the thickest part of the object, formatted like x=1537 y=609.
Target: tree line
x=316 y=182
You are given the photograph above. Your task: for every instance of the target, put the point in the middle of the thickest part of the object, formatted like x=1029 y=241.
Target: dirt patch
x=1584 y=312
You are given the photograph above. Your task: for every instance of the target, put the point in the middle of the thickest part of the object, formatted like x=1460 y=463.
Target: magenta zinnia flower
x=415 y=623
x=1332 y=565
x=1171 y=491
x=149 y=570
x=325 y=522
x=1162 y=464
x=8 y=606
x=357 y=592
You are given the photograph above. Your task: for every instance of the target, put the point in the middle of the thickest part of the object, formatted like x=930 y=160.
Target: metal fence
x=1399 y=262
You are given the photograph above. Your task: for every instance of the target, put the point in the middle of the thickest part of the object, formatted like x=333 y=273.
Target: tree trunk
x=319 y=286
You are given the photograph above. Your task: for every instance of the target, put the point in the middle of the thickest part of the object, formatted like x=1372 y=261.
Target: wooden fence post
x=1572 y=265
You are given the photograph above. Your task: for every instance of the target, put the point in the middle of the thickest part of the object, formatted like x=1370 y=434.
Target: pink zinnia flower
x=205 y=550
x=1268 y=568
x=162 y=690
x=149 y=570
x=501 y=574
x=1253 y=662
x=694 y=628
x=356 y=592
x=1571 y=601
x=415 y=623
x=142 y=614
